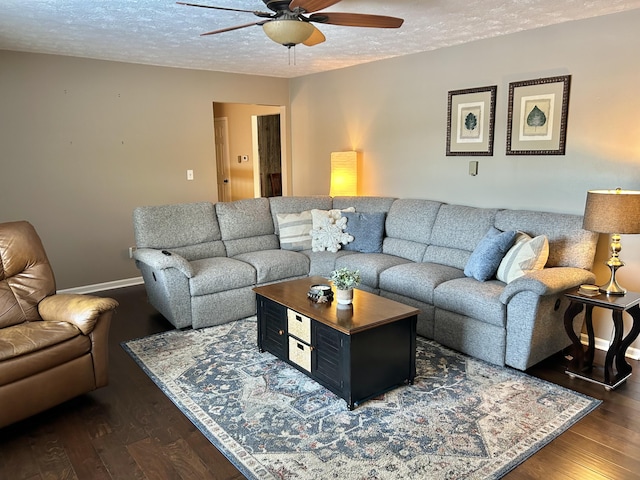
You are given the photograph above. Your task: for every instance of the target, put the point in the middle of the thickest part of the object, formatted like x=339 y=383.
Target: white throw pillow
x=328 y=230
x=527 y=254
x=295 y=230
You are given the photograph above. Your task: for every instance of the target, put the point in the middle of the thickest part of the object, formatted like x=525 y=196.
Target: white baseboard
x=603 y=344
x=98 y=287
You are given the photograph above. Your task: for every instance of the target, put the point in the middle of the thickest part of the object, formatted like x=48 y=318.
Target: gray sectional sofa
x=200 y=261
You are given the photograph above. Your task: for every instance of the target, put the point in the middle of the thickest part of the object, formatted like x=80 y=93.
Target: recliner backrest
x=189 y=229
x=456 y=232
x=409 y=225
x=26 y=276
x=246 y=226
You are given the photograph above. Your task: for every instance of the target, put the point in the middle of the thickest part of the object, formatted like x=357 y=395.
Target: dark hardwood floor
x=131 y=430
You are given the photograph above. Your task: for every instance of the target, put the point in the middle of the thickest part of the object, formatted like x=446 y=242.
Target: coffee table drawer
x=300 y=353
x=299 y=326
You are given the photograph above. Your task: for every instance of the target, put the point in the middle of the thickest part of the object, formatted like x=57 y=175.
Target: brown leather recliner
x=52 y=347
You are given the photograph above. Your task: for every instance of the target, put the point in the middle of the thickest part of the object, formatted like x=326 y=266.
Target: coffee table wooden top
x=367 y=311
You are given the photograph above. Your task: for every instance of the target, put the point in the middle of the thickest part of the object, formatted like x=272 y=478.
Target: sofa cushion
x=364 y=204
x=213 y=275
x=456 y=232
x=190 y=229
x=471 y=298
x=275 y=265
x=323 y=263
x=485 y=259
x=370 y=265
x=244 y=218
x=367 y=230
x=295 y=230
x=525 y=255
x=569 y=244
x=417 y=280
x=412 y=219
x=30 y=337
x=246 y=226
x=283 y=205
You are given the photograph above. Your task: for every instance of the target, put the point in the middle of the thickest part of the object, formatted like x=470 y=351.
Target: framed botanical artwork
x=537 y=116
x=470 y=121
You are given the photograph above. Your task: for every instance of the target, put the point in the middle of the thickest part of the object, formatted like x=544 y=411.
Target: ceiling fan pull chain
x=292 y=47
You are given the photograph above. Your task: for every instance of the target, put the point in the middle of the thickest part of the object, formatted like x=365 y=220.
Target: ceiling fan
x=291 y=20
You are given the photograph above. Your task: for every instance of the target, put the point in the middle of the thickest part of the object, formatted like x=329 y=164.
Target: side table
x=616 y=369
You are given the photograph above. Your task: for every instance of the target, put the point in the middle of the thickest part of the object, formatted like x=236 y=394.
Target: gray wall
x=83 y=142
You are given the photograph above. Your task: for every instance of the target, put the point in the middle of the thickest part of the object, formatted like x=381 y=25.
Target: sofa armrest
x=547 y=281
x=160 y=261
x=82 y=311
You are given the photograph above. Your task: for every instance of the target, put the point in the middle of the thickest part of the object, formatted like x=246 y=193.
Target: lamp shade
x=288 y=32
x=344 y=174
x=612 y=211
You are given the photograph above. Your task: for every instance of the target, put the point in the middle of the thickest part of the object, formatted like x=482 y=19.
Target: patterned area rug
x=462 y=418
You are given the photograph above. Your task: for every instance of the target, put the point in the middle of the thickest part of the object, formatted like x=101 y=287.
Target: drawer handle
x=300 y=346
x=299 y=318
x=280 y=332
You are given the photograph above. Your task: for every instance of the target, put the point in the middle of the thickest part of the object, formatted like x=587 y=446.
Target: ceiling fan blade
x=316 y=37
x=311 y=6
x=356 y=20
x=259 y=14
x=230 y=29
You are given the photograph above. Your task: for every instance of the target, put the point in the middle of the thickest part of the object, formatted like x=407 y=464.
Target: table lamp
x=613 y=212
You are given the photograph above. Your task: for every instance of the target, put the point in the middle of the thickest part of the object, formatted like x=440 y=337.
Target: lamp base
x=613 y=287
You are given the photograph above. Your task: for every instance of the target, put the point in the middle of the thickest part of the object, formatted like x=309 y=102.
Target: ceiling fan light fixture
x=288 y=32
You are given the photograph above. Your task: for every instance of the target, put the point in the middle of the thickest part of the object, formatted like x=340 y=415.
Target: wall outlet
x=131 y=250
x=189 y=174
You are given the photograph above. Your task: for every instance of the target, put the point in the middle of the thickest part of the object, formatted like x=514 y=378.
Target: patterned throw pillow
x=328 y=230
x=485 y=259
x=295 y=230
x=526 y=254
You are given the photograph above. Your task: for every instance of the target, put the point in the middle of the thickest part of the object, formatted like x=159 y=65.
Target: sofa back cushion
x=409 y=225
x=456 y=232
x=569 y=244
x=285 y=205
x=189 y=229
x=246 y=226
x=364 y=204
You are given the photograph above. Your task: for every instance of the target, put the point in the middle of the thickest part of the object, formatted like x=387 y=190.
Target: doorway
x=255 y=149
x=269 y=154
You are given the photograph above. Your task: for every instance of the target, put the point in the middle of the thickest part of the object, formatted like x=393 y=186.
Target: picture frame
x=537 y=116
x=470 y=121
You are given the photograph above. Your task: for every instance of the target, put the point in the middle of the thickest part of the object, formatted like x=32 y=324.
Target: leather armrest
x=81 y=310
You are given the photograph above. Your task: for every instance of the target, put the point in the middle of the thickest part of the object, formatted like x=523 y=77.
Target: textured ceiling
x=159 y=32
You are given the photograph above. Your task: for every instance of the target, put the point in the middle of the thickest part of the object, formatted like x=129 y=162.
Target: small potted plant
x=345 y=281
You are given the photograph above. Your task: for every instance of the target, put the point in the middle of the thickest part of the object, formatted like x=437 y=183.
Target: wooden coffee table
x=357 y=352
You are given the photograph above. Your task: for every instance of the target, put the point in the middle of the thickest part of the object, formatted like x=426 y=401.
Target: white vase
x=344 y=297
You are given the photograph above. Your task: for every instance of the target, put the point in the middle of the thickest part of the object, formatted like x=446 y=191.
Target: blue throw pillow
x=367 y=230
x=485 y=259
